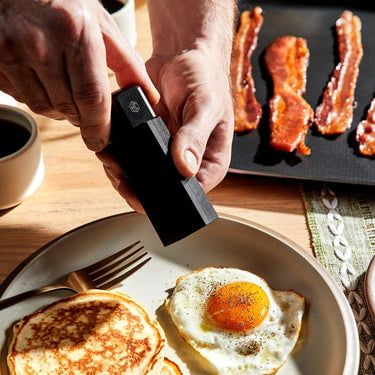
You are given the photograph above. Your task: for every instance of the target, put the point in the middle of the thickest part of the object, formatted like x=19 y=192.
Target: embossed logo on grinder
x=134 y=106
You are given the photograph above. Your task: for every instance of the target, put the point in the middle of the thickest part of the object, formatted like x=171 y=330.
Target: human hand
x=191 y=73
x=197 y=106
x=54 y=57
x=202 y=145
x=190 y=67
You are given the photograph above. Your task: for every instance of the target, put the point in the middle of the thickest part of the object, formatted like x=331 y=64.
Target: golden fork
x=104 y=274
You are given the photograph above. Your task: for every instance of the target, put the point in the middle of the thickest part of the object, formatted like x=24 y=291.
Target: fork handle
x=7 y=302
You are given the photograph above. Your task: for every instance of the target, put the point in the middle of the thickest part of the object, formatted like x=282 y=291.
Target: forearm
x=181 y=25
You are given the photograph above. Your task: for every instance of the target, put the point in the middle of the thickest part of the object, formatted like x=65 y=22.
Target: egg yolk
x=238 y=306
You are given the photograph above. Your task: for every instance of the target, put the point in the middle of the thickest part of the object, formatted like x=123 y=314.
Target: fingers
x=76 y=88
x=27 y=87
x=90 y=85
x=55 y=58
x=7 y=87
x=205 y=155
x=127 y=64
x=118 y=181
x=128 y=194
x=31 y=64
x=55 y=85
x=59 y=68
x=45 y=90
x=87 y=70
x=202 y=146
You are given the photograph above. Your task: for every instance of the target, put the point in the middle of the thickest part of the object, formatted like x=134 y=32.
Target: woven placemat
x=341 y=220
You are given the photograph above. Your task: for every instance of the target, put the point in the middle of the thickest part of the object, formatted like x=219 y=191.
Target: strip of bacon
x=335 y=113
x=247 y=110
x=291 y=116
x=365 y=133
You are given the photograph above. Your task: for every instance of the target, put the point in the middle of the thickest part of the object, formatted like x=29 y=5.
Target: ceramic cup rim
x=126 y=21
x=14 y=114
x=126 y=4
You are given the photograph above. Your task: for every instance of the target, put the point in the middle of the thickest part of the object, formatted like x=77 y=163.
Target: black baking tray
x=333 y=158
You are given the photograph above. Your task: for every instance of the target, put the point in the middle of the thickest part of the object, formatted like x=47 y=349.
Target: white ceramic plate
x=329 y=342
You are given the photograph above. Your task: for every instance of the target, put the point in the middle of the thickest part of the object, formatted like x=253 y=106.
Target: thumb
x=187 y=148
x=203 y=149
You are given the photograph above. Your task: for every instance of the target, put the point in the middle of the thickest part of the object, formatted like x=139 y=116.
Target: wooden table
x=75 y=191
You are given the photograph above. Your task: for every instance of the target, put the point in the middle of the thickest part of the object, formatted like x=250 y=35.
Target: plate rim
x=352 y=347
x=40 y=250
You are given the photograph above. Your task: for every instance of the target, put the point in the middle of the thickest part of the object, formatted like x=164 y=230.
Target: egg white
x=258 y=351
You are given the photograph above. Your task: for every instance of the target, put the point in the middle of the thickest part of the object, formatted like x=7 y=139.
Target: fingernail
x=94 y=144
x=191 y=161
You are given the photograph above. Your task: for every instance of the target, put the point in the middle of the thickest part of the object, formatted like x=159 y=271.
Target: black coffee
x=112 y=6
x=12 y=137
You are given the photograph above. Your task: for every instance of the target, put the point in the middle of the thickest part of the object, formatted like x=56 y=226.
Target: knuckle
x=89 y=97
x=70 y=22
x=8 y=55
x=41 y=107
x=66 y=108
x=200 y=140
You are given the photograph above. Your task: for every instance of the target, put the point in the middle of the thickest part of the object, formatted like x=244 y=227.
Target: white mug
x=21 y=159
x=124 y=16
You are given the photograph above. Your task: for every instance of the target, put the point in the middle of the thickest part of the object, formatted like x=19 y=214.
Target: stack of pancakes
x=96 y=332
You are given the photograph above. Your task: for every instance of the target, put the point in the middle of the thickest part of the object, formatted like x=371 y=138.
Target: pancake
x=95 y=332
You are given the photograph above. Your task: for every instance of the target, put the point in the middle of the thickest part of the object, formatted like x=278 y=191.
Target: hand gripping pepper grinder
x=139 y=141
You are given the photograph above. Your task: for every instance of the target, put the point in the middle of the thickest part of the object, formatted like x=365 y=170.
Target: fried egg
x=235 y=320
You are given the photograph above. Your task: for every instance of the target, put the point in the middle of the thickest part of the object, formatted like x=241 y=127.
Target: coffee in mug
x=12 y=137
x=21 y=161
x=112 y=6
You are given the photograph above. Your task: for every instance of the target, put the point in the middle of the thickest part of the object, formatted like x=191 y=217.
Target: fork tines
x=109 y=272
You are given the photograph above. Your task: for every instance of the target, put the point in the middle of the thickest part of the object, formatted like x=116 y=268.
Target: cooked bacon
x=365 y=133
x=247 y=110
x=291 y=116
x=335 y=113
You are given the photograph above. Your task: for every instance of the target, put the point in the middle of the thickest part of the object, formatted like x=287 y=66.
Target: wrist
x=179 y=25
